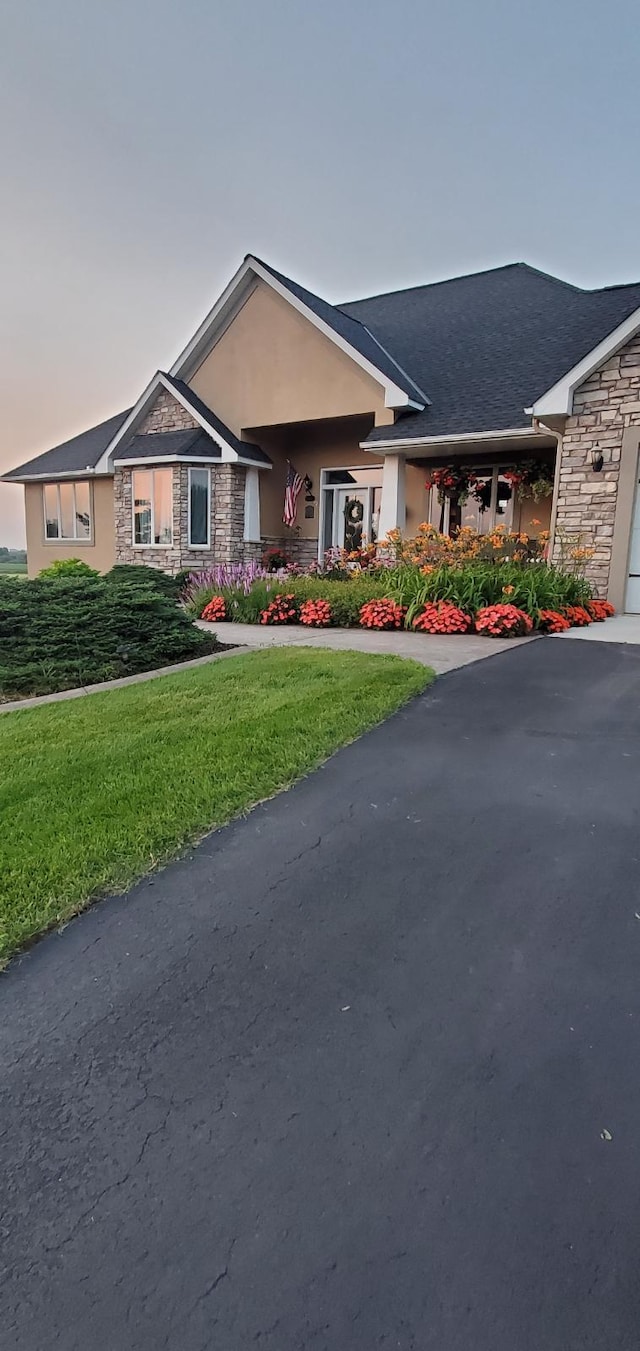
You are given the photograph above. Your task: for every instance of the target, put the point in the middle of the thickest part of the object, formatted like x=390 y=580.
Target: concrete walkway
x=442 y=654
x=619 y=629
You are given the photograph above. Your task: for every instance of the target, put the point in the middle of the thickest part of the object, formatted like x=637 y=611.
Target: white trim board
x=453 y=439
x=234 y=297
x=559 y=398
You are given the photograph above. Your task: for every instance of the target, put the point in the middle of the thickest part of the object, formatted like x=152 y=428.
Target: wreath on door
x=353 y=511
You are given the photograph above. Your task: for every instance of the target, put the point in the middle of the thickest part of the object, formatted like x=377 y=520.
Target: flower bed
x=431 y=584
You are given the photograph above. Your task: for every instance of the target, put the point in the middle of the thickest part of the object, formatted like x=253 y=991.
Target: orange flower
x=508 y=590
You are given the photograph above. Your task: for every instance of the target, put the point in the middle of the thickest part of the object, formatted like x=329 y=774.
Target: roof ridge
x=615 y=286
x=462 y=276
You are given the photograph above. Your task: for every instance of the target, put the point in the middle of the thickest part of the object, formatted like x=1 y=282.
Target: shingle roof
x=485 y=346
x=246 y=449
x=192 y=442
x=355 y=331
x=81 y=452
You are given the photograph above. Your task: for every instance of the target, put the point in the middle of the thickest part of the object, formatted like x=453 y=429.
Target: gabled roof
x=191 y=444
x=232 y=449
x=351 y=336
x=488 y=344
x=71 y=457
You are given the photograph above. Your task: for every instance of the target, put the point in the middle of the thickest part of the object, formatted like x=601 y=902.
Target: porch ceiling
x=502 y=449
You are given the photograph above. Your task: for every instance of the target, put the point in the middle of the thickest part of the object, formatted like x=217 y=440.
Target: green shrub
x=56 y=634
x=68 y=567
x=124 y=573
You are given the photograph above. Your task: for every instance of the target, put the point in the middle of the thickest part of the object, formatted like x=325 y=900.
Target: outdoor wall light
x=597 y=460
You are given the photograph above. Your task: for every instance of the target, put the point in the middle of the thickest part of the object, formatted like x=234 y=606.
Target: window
x=199 y=508
x=153 y=506
x=492 y=505
x=67 y=511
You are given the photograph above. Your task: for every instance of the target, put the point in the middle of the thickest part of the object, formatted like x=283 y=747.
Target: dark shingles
x=193 y=443
x=81 y=452
x=486 y=346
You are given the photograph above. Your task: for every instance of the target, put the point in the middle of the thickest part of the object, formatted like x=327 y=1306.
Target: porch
x=353 y=497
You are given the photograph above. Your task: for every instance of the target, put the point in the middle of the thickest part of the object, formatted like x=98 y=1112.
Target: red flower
x=281 y=610
x=382 y=614
x=551 y=621
x=600 y=609
x=442 y=617
x=503 y=621
x=315 y=613
x=577 y=615
x=215 y=610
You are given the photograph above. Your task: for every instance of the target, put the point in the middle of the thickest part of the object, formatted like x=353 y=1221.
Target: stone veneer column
x=603 y=408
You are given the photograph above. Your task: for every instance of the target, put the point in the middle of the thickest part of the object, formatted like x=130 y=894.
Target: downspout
x=539 y=426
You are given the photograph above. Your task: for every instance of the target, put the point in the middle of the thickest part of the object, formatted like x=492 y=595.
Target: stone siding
x=226 y=528
x=603 y=407
x=166 y=415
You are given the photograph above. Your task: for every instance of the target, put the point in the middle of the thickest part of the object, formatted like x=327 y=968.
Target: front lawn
x=95 y=792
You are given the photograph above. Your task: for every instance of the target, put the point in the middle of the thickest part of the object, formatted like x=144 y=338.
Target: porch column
x=252 y=507
x=393 y=513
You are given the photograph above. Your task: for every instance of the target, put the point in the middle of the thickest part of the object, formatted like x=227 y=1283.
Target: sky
x=356 y=145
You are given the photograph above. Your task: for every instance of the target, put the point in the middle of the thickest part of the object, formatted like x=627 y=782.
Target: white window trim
x=336 y=487
x=80 y=540
x=152 y=544
x=198 y=469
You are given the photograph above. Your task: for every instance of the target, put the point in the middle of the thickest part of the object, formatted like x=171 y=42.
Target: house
x=365 y=399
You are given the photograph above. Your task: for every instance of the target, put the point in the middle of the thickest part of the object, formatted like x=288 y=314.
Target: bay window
x=152 y=494
x=199 y=508
x=67 y=511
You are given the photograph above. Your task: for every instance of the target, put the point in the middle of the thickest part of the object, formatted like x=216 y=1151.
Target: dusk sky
x=358 y=146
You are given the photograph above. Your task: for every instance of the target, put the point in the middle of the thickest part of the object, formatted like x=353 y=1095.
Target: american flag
x=294 y=487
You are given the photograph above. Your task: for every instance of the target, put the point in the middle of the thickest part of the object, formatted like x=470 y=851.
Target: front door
x=632 y=604
x=352 y=518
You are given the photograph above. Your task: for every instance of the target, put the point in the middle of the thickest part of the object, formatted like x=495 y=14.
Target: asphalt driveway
x=340 y=1080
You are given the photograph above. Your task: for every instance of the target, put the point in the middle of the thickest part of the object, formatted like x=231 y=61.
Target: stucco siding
x=273 y=366
x=99 y=552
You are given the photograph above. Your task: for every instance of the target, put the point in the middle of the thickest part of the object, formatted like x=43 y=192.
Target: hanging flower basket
x=453 y=482
x=530 y=478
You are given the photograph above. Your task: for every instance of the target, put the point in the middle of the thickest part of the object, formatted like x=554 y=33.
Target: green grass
x=95 y=792
x=13 y=569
